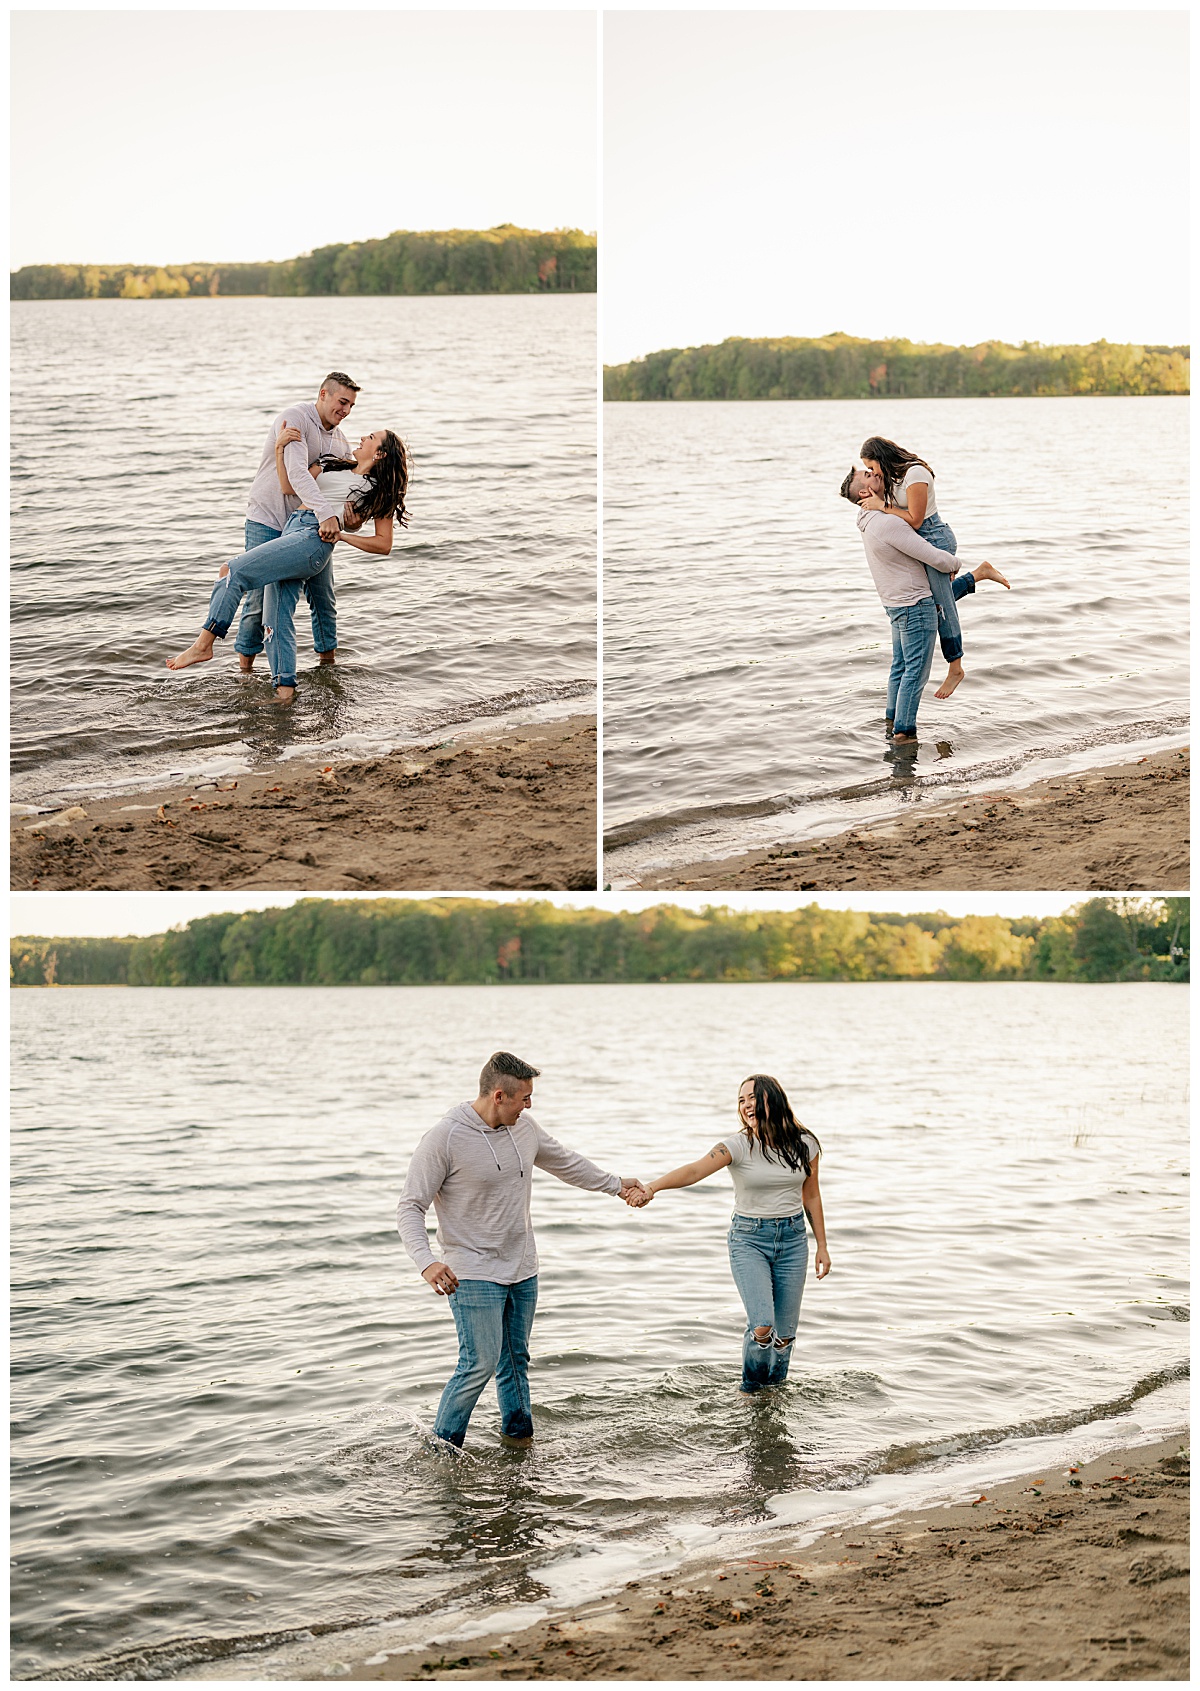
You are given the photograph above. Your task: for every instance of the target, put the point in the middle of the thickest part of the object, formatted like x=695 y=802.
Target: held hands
x=442 y=1278
x=329 y=530
x=635 y=1194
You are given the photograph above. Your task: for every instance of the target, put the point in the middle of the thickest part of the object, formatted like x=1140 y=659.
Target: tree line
x=842 y=367
x=504 y=260
x=460 y=941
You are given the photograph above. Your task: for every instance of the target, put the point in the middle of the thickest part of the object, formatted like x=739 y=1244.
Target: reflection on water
x=121 y=516
x=223 y=1363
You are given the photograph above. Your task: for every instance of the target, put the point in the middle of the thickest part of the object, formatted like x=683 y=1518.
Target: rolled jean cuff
x=284 y=680
x=220 y=629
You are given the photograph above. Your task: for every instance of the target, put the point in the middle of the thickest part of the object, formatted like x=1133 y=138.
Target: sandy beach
x=1061 y=1575
x=1105 y=830
x=500 y=810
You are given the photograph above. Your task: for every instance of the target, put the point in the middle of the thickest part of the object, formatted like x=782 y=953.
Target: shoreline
x=1113 y=828
x=1082 y=1575
x=499 y=809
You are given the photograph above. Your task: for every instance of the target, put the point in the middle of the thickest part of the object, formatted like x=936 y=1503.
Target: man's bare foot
x=285 y=695
x=198 y=652
x=985 y=572
x=246 y=662
x=326 y=657
x=954 y=675
x=903 y=739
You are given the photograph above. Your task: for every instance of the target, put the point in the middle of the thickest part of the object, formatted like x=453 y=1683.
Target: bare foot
x=903 y=739
x=285 y=695
x=326 y=657
x=198 y=652
x=954 y=675
x=246 y=662
x=985 y=572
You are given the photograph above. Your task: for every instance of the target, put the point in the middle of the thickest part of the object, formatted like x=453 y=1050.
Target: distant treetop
x=840 y=366
x=503 y=260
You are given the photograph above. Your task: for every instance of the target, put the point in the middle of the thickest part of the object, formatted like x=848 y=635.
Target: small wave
x=1015 y=768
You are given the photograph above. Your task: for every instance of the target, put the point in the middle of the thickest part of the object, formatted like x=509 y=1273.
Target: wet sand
x=501 y=810
x=1049 y=1580
x=1118 y=829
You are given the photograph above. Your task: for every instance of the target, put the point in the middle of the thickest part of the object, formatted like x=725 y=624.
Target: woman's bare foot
x=903 y=739
x=199 y=651
x=954 y=675
x=326 y=657
x=285 y=695
x=985 y=572
x=246 y=662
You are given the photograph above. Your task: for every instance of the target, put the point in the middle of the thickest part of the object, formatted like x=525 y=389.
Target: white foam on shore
x=239 y=761
x=584 y=1574
x=717 y=839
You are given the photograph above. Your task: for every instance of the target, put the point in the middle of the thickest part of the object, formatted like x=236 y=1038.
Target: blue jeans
x=318 y=590
x=946 y=590
x=493 y=1322
x=769 y=1260
x=298 y=554
x=913 y=630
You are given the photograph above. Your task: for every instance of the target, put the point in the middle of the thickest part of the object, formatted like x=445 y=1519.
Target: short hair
x=339 y=378
x=504 y=1070
x=844 y=490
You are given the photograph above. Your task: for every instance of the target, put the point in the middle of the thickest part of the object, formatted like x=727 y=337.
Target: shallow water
x=746 y=651
x=137 y=431
x=223 y=1359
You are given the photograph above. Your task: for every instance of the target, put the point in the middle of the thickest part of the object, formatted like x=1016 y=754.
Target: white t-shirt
x=763 y=1187
x=338 y=485
x=915 y=473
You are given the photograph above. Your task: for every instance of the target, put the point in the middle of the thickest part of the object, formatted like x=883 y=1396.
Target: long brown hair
x=893 y=461
x=387 y=480
x=776 y=1130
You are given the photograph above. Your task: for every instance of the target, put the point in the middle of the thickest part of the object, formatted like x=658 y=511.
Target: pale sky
x=173 y=136
x=949 y=176
x=78 y=913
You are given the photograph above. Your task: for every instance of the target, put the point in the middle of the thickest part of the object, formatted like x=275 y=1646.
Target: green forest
x=505 y=260
x=841 y=367
x=462 y=941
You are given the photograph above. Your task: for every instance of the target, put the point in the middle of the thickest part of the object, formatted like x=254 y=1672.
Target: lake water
x=223 y=1358
x=137 y=429
x=746 y=651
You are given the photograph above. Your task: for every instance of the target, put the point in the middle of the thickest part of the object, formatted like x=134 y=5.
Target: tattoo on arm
x=717 y=1151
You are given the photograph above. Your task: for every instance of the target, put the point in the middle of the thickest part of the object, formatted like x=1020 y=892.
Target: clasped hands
x=635 y=1194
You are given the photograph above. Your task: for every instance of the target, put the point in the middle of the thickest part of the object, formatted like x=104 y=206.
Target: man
x=896 y=556
x=475 y=1167
x=269 y=508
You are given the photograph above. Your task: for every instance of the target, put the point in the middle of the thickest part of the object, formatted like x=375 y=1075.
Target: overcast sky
x=949 y=176
x=75 y=913
x=171 y=136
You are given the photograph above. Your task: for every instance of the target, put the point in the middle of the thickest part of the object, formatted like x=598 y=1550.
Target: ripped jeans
x=298 y=554
x=769 y=1258
x=318 y=590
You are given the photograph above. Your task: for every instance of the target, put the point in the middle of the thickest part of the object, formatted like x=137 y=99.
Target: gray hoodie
x=479 y=1180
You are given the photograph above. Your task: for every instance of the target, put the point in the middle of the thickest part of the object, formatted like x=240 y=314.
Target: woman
x=773 y=1161
x=371 y=484
x=905 y=489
